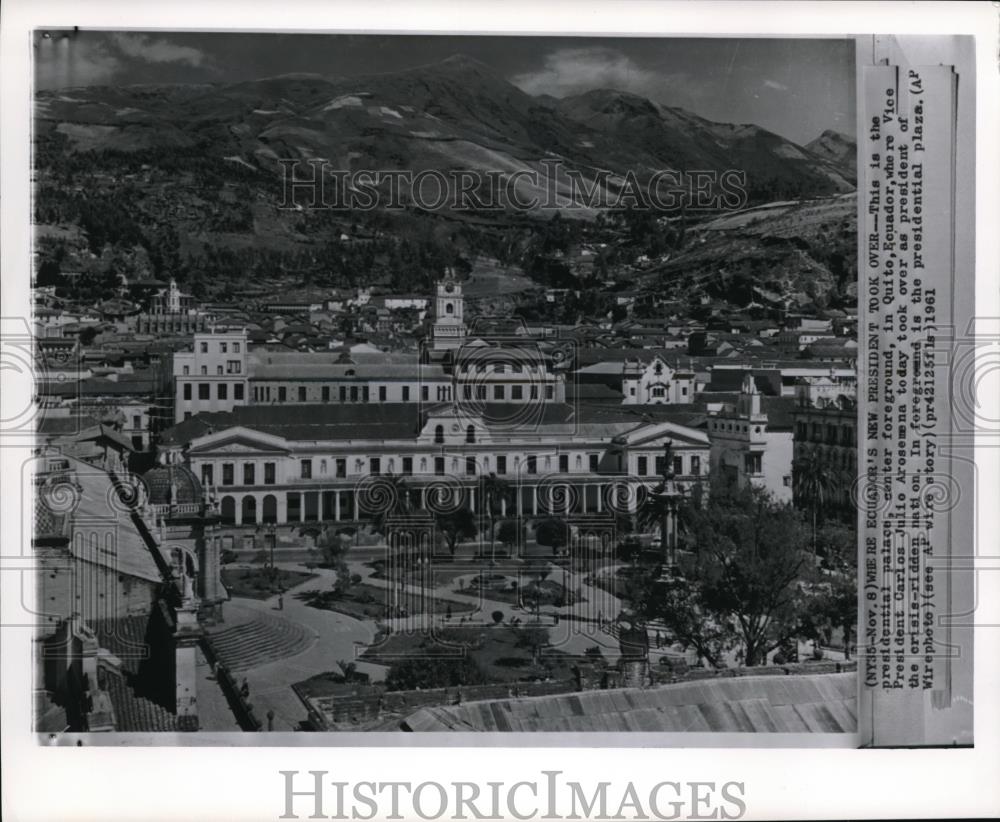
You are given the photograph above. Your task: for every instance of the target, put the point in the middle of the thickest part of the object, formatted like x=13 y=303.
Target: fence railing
x=241 y=706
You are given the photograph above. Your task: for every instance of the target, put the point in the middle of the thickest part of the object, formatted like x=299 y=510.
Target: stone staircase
x=262 y=640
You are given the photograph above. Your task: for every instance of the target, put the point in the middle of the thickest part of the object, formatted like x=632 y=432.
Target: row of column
x=344 y=506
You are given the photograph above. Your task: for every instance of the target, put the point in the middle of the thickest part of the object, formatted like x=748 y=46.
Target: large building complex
x=266 y=466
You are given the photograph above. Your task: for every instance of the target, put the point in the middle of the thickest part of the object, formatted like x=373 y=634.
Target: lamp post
x=270 y=534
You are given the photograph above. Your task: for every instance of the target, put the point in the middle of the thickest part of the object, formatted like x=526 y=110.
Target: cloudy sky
x=796 y=88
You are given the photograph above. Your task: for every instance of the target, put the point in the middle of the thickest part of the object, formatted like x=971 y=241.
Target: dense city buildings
x=289 y=458
x=260 y=427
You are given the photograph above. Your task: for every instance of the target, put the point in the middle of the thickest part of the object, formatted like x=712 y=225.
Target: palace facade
x=327 y=463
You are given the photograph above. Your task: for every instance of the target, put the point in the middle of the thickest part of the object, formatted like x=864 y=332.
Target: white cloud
x=775 y=85
x=142 y=47
x=575 y=70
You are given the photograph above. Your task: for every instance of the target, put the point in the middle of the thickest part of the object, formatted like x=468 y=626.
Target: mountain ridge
x=392 y=120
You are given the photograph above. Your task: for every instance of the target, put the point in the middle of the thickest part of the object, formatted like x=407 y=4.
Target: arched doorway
x=227 y=510
x=269 y=508
x=249 y=510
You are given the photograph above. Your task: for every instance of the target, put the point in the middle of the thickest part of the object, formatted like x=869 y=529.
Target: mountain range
x=452 y=114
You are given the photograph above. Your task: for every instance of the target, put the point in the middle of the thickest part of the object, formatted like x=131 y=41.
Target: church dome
x=172 y=485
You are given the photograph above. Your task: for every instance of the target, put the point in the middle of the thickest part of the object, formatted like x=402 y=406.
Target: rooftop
x=816 y=703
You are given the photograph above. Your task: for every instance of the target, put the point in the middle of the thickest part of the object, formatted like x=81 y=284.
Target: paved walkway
x=336 y=637
x=577 y=627
x=214 y=713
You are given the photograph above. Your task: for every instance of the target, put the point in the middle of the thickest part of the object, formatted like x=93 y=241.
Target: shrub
x=497 y=617
x=512 y=662
x=433 y=672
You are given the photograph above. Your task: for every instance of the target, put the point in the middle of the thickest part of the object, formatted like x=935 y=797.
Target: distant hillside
x=838 y=149
x=793 y=253
x=184 y=180
x=775 y=167
x=452 y=114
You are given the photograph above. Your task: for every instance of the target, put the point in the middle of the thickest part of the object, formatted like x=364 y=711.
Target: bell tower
x=449 y=314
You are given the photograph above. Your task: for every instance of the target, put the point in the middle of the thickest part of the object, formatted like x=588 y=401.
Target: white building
x=821 y=391
x=502 y=371
x=449 y=315
x=323 y=463
x=656 y=383
x=171 y=300
x=749 y=452
x=328 y=377
x=213 y=375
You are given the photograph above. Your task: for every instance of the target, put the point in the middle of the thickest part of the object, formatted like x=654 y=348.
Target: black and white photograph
x=455 y=384
x=525 y=394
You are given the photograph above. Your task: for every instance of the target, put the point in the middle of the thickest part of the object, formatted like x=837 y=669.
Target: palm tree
x=815 y=481
x=397 y=497
x=496 y=492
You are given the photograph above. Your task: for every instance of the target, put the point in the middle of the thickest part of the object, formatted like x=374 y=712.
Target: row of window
x=497 y=368
x=347 y=393
x=835 y=457
x=375 y=467
x=232 y=367
x=500 y=392
x=229 y=474
x=661 y=391
x=224 y=347
x=363 y=393
x=677 y=466
x=734 y=427
x=221 y=391
x=828 y=434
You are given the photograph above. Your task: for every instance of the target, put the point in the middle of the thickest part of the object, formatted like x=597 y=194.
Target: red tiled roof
x=138 y=692
x=136 y=713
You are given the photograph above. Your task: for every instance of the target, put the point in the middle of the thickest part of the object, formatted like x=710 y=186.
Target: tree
x=496 y=492
x=835 y=603
x=814 y=481
x=508 y=533
x=397 y=497
x=347 y=669
x=678 y=604
x=534 y=637
x=533 y=594
x=333 y=547
x=552 y=532
x=747 y=589
x=456 y=525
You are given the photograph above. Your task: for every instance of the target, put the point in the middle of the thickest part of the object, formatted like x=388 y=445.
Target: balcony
x=178 y=510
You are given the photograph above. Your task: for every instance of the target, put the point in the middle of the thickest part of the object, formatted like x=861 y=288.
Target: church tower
x=748 y=403
x=449 y=314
